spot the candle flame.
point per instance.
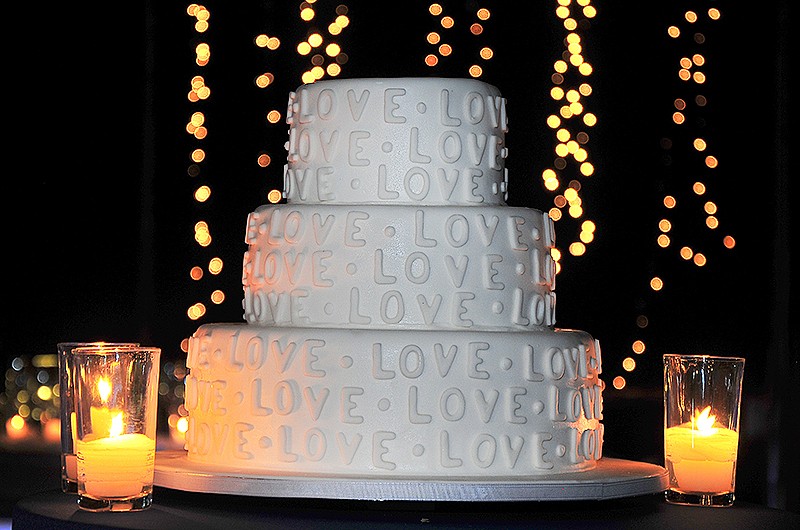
(116, 425)
(703, 422)
(103, 389)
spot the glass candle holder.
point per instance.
(702, 400)
(116, 401)
(69, 462)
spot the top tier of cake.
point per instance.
(420, 141)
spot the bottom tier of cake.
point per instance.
(423, 404)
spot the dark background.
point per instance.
(98, 214)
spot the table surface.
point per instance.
(178, 510)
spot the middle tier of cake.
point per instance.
(399, 267)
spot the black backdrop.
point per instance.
(98, 216)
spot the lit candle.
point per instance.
(117, 466)
(113, 464)
(701, 455)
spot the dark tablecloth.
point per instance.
(176, 510)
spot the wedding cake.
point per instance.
(399, 315)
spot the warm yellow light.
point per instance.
(586, 237)
(304, 48)
(712, 222)
(590, 119)
(182, 425)
(554, 121)
(198, 155)
(551, 184)
(562, 135)
(711, 161)
(307, 14)
(678, 118)
(691, 16)
(687, 253)
(447, 22)
(44, 393)
(307, 77)
(486, 53)
(729, 242)
(555, 254)
(333, 69)
(577, 248)
(629, 364)
(562, 11)
(560, 66)
(215, 265)
(445, 50)
(196, 311)
(556, 93)
(638, 347)
(317, 72)
(710, 208)
(685, 62)
(342, 21)
(202, 194)
(274, 196)
(699, 188)
(663, 240)
(217, 296)
(483, 14)
(433, 38)
(315, 39)
(554, 213)
(570, 194)
(656, 283)
(699, 144)
(103, 389)
(669, 201)
(475, 70)
(585, 69)
(333, 49)
(713, 13)
(699, 259)
(435, 9)
(673, 31)
(585, 89)
(17, 422)
(273, 116)
(273, 43)
(334, 28)
(665, 225)
(575, 211)
(587, 169)
(684, 74)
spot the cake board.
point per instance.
(611, 478)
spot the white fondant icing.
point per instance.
(398, 267)
(399, 316)
(472, 403)
(404, 141)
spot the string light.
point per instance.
(447, 22)
(196, 126)
(569, 94)
(691, 77)
(329, 62)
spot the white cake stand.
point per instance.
(611, 478)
